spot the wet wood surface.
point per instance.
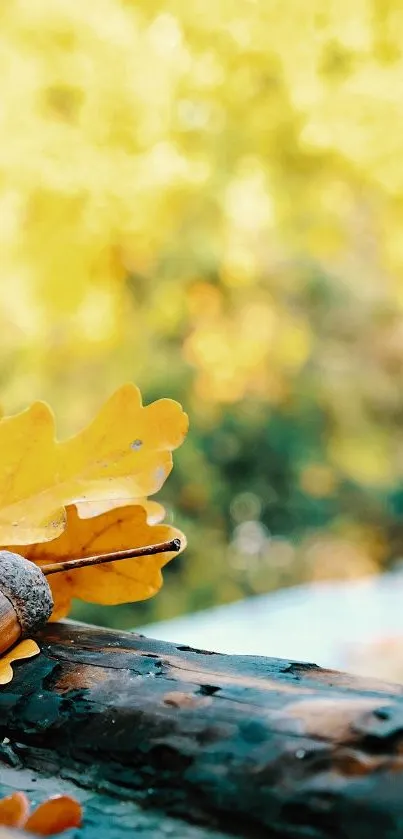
(169, 741)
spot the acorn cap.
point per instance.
(28, 590)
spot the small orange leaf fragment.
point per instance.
(123, 581)
(14, 810)
(25, 649)
(54, 815)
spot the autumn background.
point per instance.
(207, 199)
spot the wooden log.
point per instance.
(200, 745)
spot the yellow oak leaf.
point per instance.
(112, 583)
(89, 509)
(125, 452)
(25, 649)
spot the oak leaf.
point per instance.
(25, 649)
(123, 581)
(52, 816)
(89, 509)
(124, 452)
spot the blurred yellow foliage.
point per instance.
(318, 480)
(209, 195)
(235, 134)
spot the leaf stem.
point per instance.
(99, 559)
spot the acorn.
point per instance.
(26, 601)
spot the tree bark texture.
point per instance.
(166, 740)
